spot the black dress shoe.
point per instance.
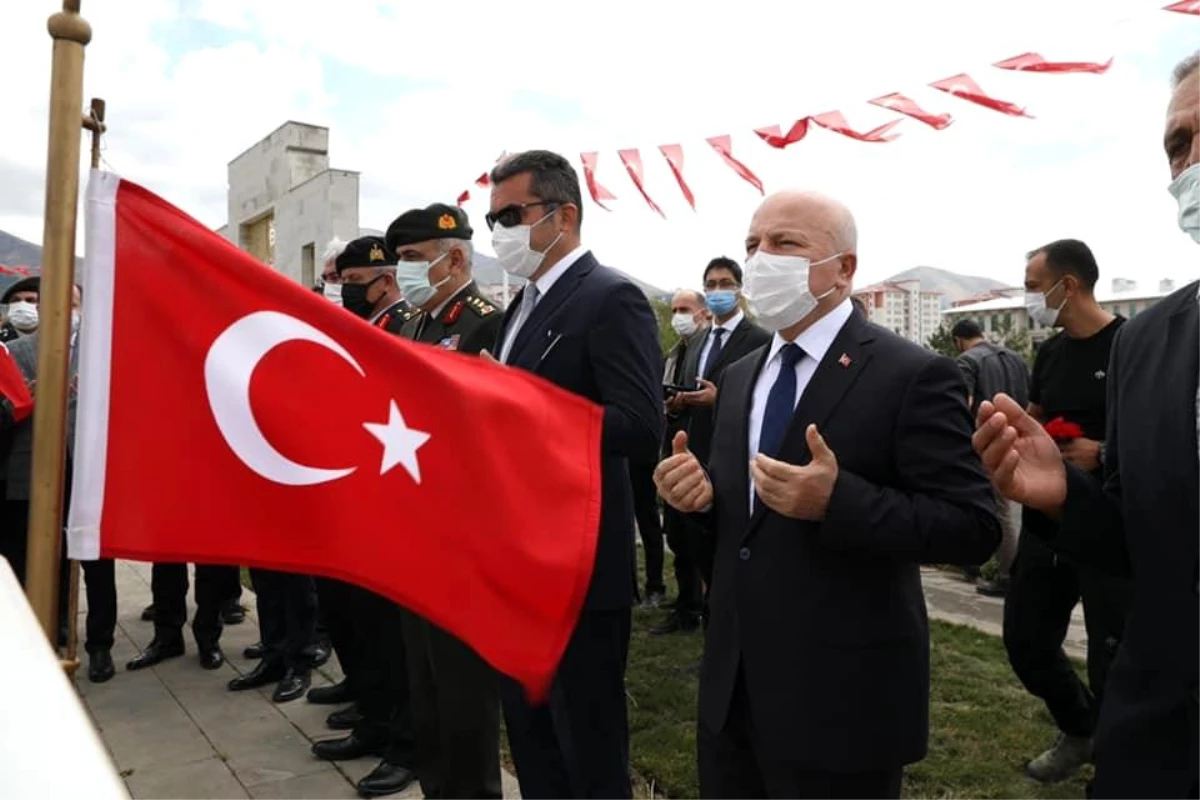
(148, 613)
(261, 675)
(254, 651)
(100, 667)
(211, 658)
(233, 614)
(154, 653)
(345, 720)
(320, 654)
(677, 622)
(292, 685)
(386, 779)
(333, 695)
(346, 748)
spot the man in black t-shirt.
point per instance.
(1067, 396)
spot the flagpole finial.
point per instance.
(67, 24)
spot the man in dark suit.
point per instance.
(99, 575)
(815, 679)
(730, 337)
(453, 693)
(1142, 519)
(690, 319)
(591, 331)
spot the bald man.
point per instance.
(841, 461)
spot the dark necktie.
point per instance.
(781, 402)
(713, 352)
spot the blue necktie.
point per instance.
(781, 402)
(713, 352)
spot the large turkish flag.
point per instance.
(229, 415)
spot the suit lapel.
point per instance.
(563, 288)
(1179, 359)
(735, 337)
(844, 361)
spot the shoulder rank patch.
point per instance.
(480, 306)
(452, 313)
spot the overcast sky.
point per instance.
(422, 97)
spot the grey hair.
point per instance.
(334, 249)
(552, 179)
(845, 234)
(468, 250)
(695, 294)
(1184, 69)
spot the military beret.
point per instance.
(24, 285)
(367, 251)
(438, 221)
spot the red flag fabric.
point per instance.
(274, 429)
(1032, 62)
(724, 147)
(834, 121)
(774, 135)
(673, 153)
(1185, 7)
(963, 86)
(483, 181)
(903, 104)
(632, 160)
(597, 191)
(13, 387)
(464, 197)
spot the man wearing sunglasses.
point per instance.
(588, 329)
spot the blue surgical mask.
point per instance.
(721, 301)
(413, 279)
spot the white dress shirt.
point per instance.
(543, 284)
(728, 326)
(815, 341)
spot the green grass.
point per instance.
(984, 726)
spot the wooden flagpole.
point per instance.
(70, 33)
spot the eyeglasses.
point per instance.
(512, 214)
(722, 284)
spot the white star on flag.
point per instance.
(400, 442)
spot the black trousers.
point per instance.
(339, 604)
(455, 713)
(100, 583)
(1037, 613)
(216, 585)
(14, 536)
(734, 764)
(382, 684)
(649, 523)
(287, 615)
(577, 745)
(687, 574)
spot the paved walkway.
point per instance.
(950, 598)
(175, 731)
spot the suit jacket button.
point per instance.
(744, 554)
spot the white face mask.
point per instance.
(1035, 304)
(333, 293)
(1186, 191)
(23, 315)
(683, 323)
(413, 280)
(776, 289)
(513, 250)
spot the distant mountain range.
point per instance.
(952, 285)
(16, 252)
(488, 272)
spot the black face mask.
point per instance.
(354, 298)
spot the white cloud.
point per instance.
(448, 90)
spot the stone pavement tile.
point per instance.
(308, 717)
(147, 741)
(328, 783)
(273, 757)
(207, 778)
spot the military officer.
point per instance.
(369, 287)
(453, 692)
